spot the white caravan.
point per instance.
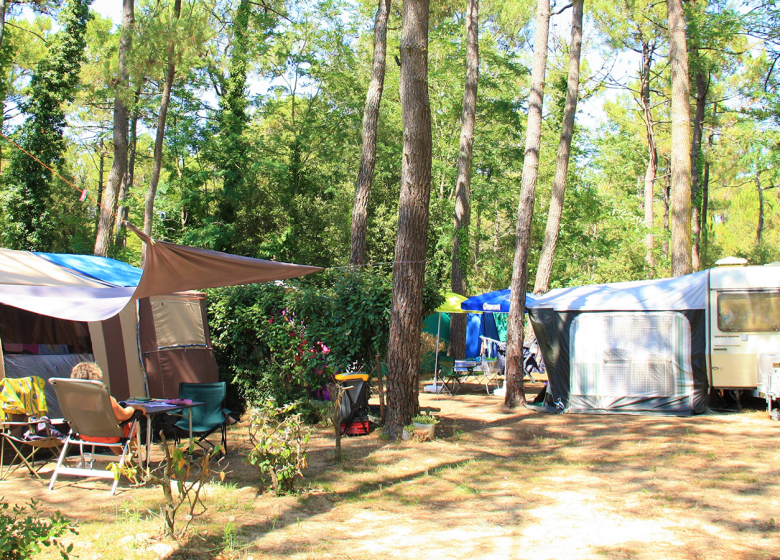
(743, 317)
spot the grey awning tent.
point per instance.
(627, 347)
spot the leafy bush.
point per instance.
(424, 419)
(22, 535)
(287, 342)
(279, 442)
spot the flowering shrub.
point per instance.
(263, 349)
(287, 342)
(305, 366)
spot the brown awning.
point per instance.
(175, 268)
(169, 268)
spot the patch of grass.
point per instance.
(463, 488)
(742, 476)
(381, 434)
(222, 496)
(131, 512)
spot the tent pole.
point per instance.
(436, 360)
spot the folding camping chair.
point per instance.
(451, 380)
(207, 418)
(531, 360)
(353, 410)
(86, 405)
(23, 425)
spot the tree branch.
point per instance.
(45, 42)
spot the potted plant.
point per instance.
(425, 423)
(408, 432)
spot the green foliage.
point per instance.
(23, 533)
(424, 419)
(288, 342)
(32, 220)
(279, 441)
(180, 475)
(263, 347)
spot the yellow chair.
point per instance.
(22, 404)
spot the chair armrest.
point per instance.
(135, 417)
(230, 416)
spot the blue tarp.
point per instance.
(473, 330)
(104, 269)
(497, 301)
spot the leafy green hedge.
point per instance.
(287, 342)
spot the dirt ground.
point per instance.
(525, 485)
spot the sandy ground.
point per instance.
(492, 485)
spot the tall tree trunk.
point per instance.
(232, 122)
(158, 142)
(357, 250)
(681, 141)
(544, 272)
(760, 226)
(477, 243)
(460, 241)
(2, 21)
(702, 85)
(705, 187)
(515, 393)
(127, 182)
(119, 166)
(651, 171)
(667, 203)
(705, 202)
(409, 268)
(101, 174)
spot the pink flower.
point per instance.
(271, 321)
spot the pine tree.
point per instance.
(31, 222)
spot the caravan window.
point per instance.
(749, 311)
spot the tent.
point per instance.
(494, 302)
(147, 330)
(627, 347)
(451, 304)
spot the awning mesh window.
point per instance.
(631, 354)
(178, 321)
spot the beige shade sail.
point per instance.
(21, 268)
(169, 268)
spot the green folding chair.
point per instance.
(451, 380)
(207, 418)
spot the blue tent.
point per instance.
(496, 301)
(110, 271)
(478, 326)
